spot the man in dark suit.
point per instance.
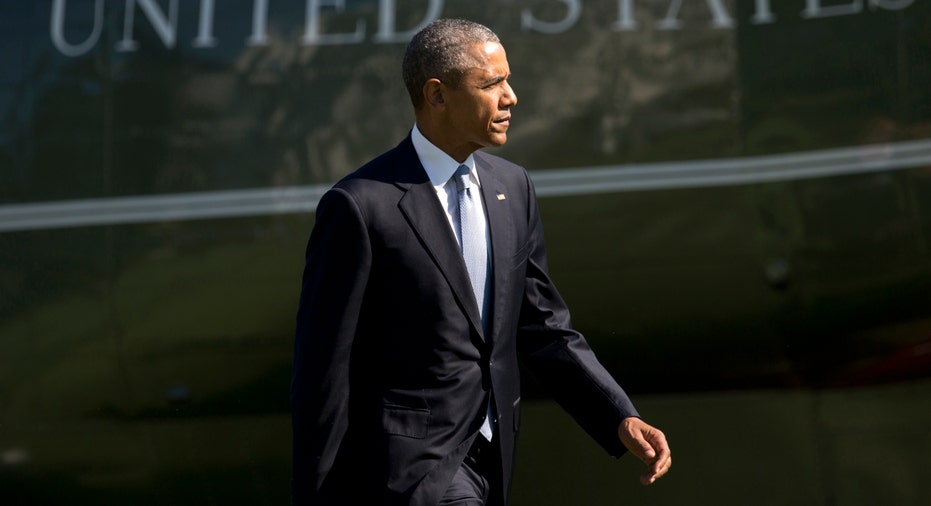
(425, 281)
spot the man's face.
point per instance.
(478, 110)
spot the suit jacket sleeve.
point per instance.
(559, 357)
(338, 260)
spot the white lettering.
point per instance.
(57, 29)
(625, 21)
(165, 27)
(259, 36)
(719, 16)
(814, 9)
(205, 36)
(386, 21)
(163, 15)
(573, 11)
(312, 31)
(762, 14)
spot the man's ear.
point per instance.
(433, 91)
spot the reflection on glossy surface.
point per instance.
(148, 362)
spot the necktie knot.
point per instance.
(463, 178)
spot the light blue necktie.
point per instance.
(475, 253)
(472, 235)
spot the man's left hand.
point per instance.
(649, 445)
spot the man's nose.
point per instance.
(509, 98)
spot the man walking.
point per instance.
(425, 281)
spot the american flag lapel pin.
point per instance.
(501, 196)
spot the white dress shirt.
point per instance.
(440, 168)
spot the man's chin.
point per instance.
(498, 139)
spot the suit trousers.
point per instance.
(477, 481)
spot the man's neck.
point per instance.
(456, 150)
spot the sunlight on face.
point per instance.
(478, 110)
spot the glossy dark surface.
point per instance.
(147, 362)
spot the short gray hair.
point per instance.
(441, 50)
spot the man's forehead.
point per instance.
(488, 48)
(489, 59)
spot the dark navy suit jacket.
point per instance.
(392, 370)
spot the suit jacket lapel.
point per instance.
(420, 206)
(499, 223)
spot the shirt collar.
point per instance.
(439, 165)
